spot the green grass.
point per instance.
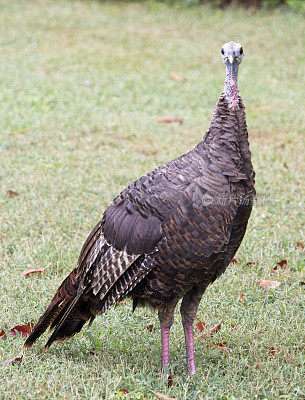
(83, 83)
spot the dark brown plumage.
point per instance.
(166, 237)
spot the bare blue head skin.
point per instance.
(232, 55)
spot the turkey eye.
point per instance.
(222, 51)
(241, 50)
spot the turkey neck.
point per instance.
(226, 141)
(231, 88)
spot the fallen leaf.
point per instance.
(3, 334)
(200, 326)
(252, 262)
(271, 351)
(32, 271)
(23, 330)
(170, 381)
(90, 371)
(169, 119)
(123, 391)
(226, 350)
(176, 77)
(233, 326)
(282, 263)
(150, 327)
(300, 245)
(215, 345)
(222, 347)
(216, 328)
(163, 397)
(11, 193)
(240, 298)
(209, 332)
(268, 284)
(12, 361)
(302, 283)
(235, 260)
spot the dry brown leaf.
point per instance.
(170, 118)
(123, 391)
(12, 361)
(3, 334)
(209, 332)
(226, 350)
(222, 347)
(200, 326)
(23, 330)
(163, 396)
(272, 351)
(176, 77)
(235, 260)
(252, 262)
(216, 328)
(215, 345)
(170, 381)
(11, 193)
(31, 271)
(282, 263)
(240, 298)
(279, 265)
(268, 284)
(300, 245)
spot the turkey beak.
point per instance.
(231, 59)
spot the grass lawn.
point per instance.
(83, 83)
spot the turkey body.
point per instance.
(185, 219)
(166, 237)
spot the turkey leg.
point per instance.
(166, 318)
(165, 349)
(188, 311)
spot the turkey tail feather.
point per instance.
(44, 321)
(69, 323)
(57, 312)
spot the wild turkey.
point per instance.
(169, 234)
